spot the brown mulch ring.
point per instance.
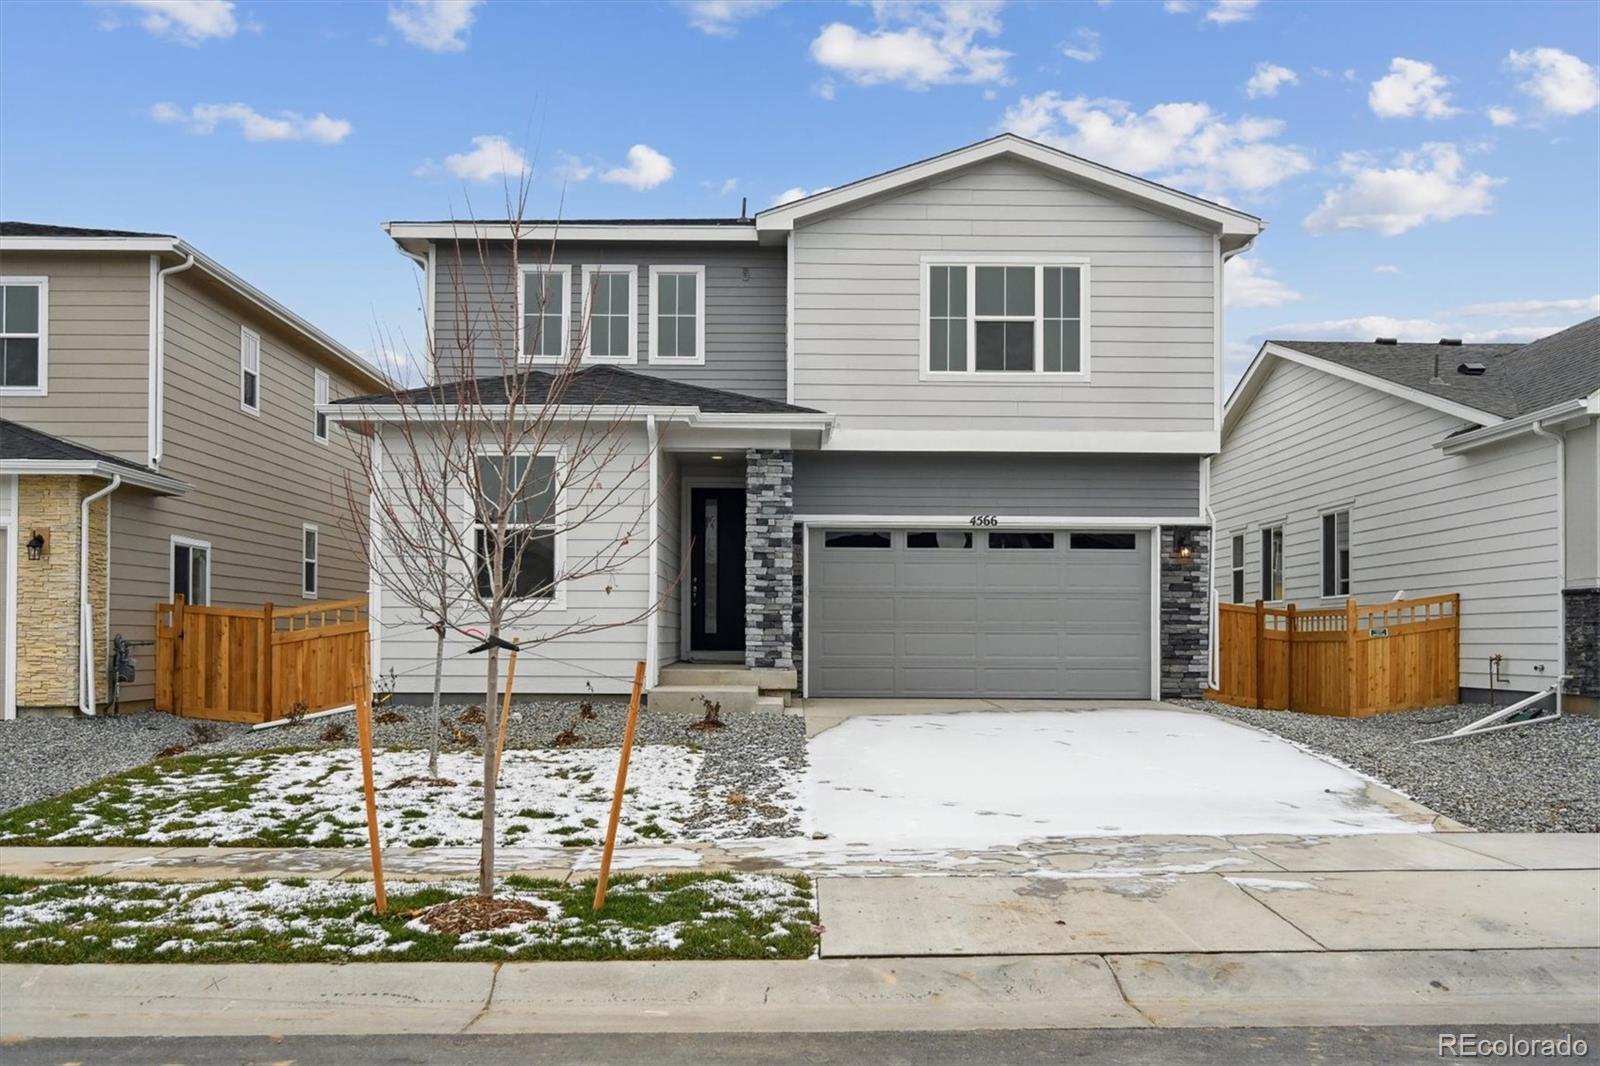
(566, 738)
(388, 718)
(335, 733)
(705, 725)
(472, 716)
(414, 779)
(172, 751)
(475, 913)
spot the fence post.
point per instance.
(177, 654)
(1261, 654)
(1350, 655)
(266, 662)
(1288, 662)
(1455, 649)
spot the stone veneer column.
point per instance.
(1583, 640)
(47, 588)
(769, 553)
(1185, 612)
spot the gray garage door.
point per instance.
(955, 612)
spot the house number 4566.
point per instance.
(985, 520)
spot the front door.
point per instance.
(716, 571)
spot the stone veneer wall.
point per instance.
(799, 609)
(1185, 613)
(47, 588)
(1583, 640)
(769, 553)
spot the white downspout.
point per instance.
(85, 611)
(1561, 552)
(1212, 610)
(158, 359)
(652, 624)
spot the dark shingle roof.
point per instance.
(40, 229)
(594, 385)
(23, 442)
(1412, 365)
(1562, 366)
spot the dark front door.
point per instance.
(716, 572)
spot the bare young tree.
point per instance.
(502, 485)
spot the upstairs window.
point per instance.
(319, 396)
(543, 312)
(525, 487)
(608, 301)
(1272, 563)
(23, 314)
(1005, 319)
(1238, 568)
(309, 538)
(677, 314)
(249, 371)
(1336, 553)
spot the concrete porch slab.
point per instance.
(1535, 851)
(1437, 910)
(1045, 915)
(1381, 851)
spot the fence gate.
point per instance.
(238, 664)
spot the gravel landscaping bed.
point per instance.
(1542, 778)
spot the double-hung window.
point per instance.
(1272, 563)
(319, 396)
(542, 312)
(608, 301)
(190, 571)
(678, 314)
(1336, 553)
(249, 371)
(523, 489)
(23, 317)
(1238, 568)
(1006, 317)
(310, 540)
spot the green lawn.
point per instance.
(675, 916)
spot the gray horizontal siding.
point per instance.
(475, 299)
(896, 483)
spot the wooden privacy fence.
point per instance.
(1354, 661)
(239, 664)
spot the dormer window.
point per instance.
(1004, 317)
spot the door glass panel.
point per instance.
(708, 603)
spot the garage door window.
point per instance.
(856, 538)
(1009, 541)
(1115, 542)
(939, 538)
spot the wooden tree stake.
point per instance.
(622, 783)
(364, 729)
(505, 710)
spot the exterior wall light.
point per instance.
(36, 546)
(1182, 545)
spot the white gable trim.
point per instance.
(779, 220)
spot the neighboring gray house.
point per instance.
(951, 432)
(1372, 470)
(131, 362)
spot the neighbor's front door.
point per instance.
(716, 571)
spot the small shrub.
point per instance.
(586, 711)
(297, 713)
(205, 732)
(713, 718)
(335, 734)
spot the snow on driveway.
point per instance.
(987, 779)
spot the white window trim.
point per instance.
(1266, 571)
(585, 322)
(315, 559)
(558, 596)
(1322, 554)
(320, 392)
(699, 315)
(1038, 262)
(43, 284)
(565, 270)
(178, 540)
(1239, 571)
(247, 332)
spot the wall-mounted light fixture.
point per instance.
(36, 545)
(1182, 544)
(716, 458)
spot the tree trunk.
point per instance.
(490, 703)
(438, 696)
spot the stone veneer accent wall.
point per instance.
(799, 609)
(769, 554)
(47, 588)
(1583, 640)
(1185, 613)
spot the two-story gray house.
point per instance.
(159, 435)
(938, 432)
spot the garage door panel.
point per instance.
(936, 646)
(1013, 645)
(847, 645)
(1046, 610)
(937, 609)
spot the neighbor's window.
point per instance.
(1020, 319)
(856, 538)
(1272, 563)
(1116, 542)
(939, 538)
(191, 571)
(1008, 541)
(1336, 553)
(1238, 568)
(22, 334)
(544, 312)
(524, 487)
(308, 561)
(608, 301)
(249, 371)
(319, 396)
(677, 314)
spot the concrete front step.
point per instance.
(731, 674)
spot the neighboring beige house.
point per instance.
(155, 399)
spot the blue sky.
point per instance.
(1425, 168)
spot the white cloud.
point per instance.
(1084, 46)
(1386, 268)
(1428, 185)
(1502, 116)
(284, 126)
(1246, 283)
(1225, 11)
(492, 157)
(721, 18)
(646, 169)
(790, 195)
(574, 169)
(185, 21)
(1518, 308)
(1411, 88)
(1183, 144)
(1562, 83)
(1177, 7)
(436, 25)
(917, 45)
(1268, 79)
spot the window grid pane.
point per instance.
(947, 320)
(1062, 337)
(676, 316)
(543, 313)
